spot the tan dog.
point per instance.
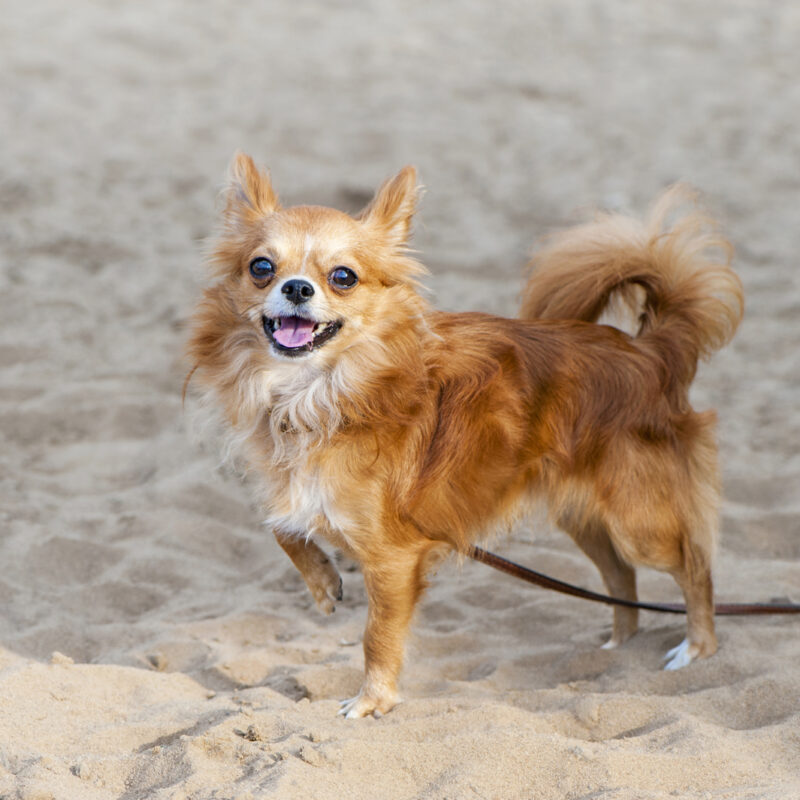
(398, 433)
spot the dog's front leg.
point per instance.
(394, 583)
(321, 577)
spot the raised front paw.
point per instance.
(315, 566)
(325, 585)
(368, 702)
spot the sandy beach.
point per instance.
(155, 642)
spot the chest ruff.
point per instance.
(304, 500)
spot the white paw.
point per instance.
(362, 705)
(680, 656)
(611, 644)
(354, 708)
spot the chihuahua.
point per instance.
(398, 433)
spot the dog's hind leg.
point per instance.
(315, 566)
(694, 578)
(618, 577)
(695, 546)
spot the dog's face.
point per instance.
(315, 281)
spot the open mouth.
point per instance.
(298, 335)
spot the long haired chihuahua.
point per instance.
(398, 433)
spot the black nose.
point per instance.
(297, 291)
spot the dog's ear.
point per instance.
(249, 195)
(393, 206)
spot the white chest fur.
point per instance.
(303, 501)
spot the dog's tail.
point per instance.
(689, 301)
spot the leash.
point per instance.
(546, 582)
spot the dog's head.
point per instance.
(315, 281)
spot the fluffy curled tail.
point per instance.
(692, 301)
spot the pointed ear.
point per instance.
(393, 206)
(249, 195)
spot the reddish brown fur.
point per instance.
(413, 432)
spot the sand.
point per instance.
(155, 641)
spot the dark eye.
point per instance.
(343, 278)
(262, 268)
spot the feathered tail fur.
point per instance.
(693, 301)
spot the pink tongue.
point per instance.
(294, 331)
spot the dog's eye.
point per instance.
(343, 278)
(261, 268)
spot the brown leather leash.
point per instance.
(546, 582)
